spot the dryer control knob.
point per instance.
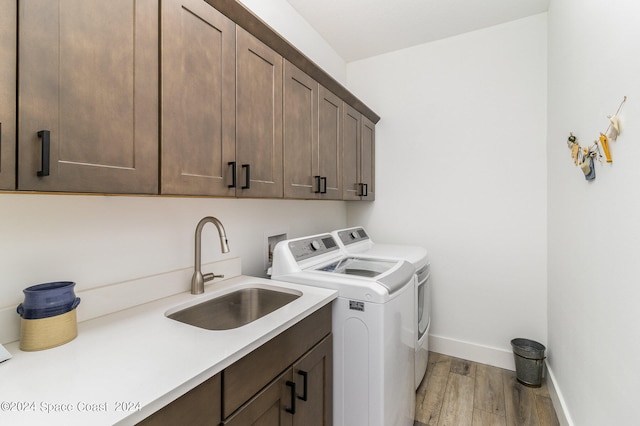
(354, 235)
(315, 245)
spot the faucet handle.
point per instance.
(210, 276)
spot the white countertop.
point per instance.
(124, 366)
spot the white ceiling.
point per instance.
(358, 29)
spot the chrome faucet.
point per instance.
(198, 280)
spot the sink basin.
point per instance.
(234, 309)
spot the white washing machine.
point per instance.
(356, 241)
(373, 327)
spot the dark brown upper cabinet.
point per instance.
(358, 134)
(312, 139)
(8, 56)
(300, 134)
(220, 115)
(88, 96)
(198, 99)
(368, 160)
(330, 112)
(258, 118)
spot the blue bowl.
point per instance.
(48, 299)
(32, 313)
(49, 294)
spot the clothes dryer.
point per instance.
(372, 326)
(357, 242)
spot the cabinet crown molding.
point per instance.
(262, 31)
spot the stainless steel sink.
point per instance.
(234, 309)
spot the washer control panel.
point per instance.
(353, 235)
(313, 246)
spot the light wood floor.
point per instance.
(456, 392)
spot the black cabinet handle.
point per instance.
(233, 173)
(321, 184)
(292, 409)
(364, 189)
(46, 147)
(304, 385)
(247, 174)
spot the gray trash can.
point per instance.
(529, 357)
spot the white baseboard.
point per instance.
(559, 403)
(472, 352)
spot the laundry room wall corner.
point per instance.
(461, 170)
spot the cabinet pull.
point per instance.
(233, 174)
(304, 385)
(0, 136)
(364, 189)
(321, 183)
(247, 175)
(292, 409)
(46, 146)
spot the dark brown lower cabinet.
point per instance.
(301, 396)
(199, 406)
(273, 406)
(286, 381)
(313, 375)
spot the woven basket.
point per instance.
(45, 333)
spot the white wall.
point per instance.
(101, 240)
(461, 171)
(283, 18)
(594, 227)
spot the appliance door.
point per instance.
(423, 319)
(423, 300)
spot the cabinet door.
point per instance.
(258, 118)
(273, 406)
(330, 144)
(8, 55)
(351, 128)
(367, 155)
(300, 134)
(313, 375)
(89, 80)
(198, 99)
(199, 406)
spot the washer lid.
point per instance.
(369, 268)
(391, 274)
